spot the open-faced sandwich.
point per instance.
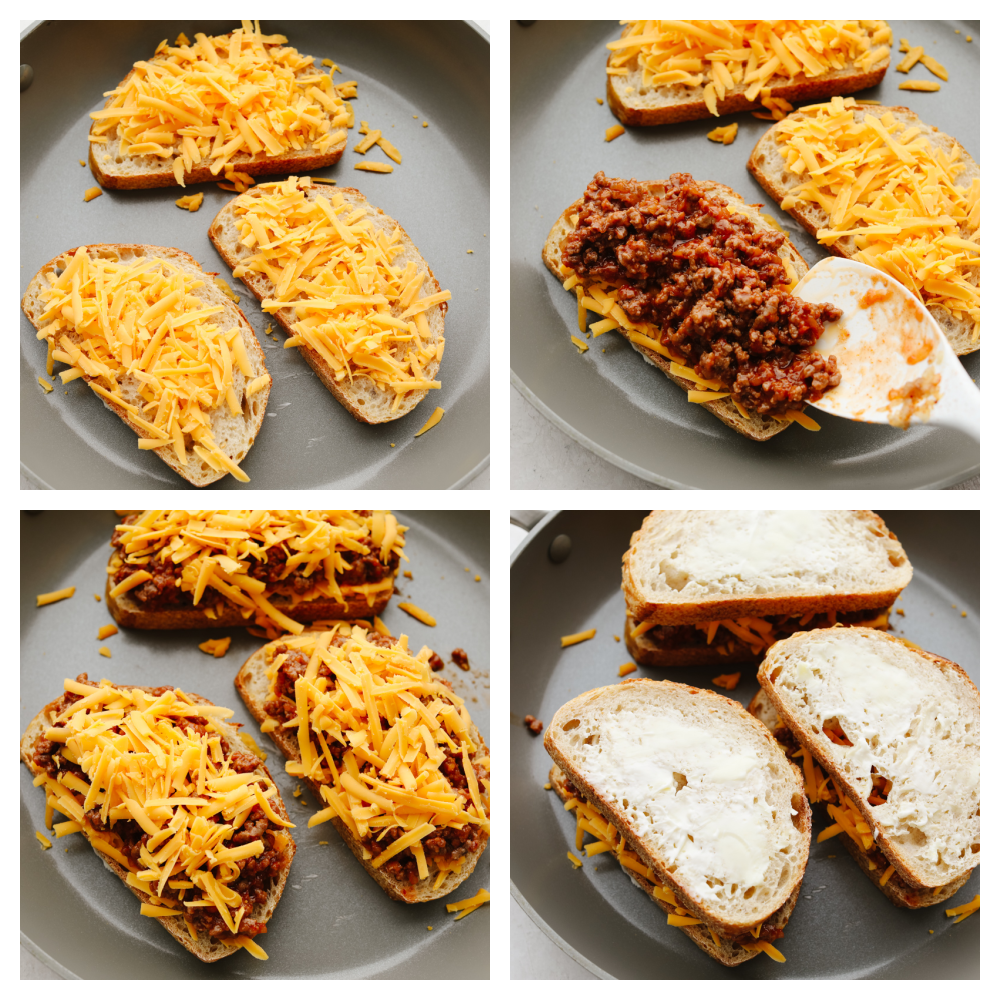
(270, 568)
(174, 804)
(387, 748)
(702, 286)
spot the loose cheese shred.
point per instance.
(43, 840)
(107, 630)
(47, 387)
(627, 668)
(223, 101)
(726, 135)
(160, 760)
(215, 647)
(386, 742)
(714, 58)
(216, 551)
(727, 682)
(572, 640)
(139, 327)
(91, 193)
(911, 207)
(192, 202)
(331, 266)
(432, 421)
(466, 906)
(577, 863)
(418, 613)
(104, 651)
(964, 910)
(374, 167)
(53, 596)
(613, 132)
(925, 85)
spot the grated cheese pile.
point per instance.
(397, 721)
(331, 264)
(140, 764)
(884, 184)
(223, 98)
(140, 319)
(722, 55)
(217, 548)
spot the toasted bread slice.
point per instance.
(636, 104)
(362, 398)
(117, 170)
(697, 566)
(253, 685)
(908, 715)
(646, 755)
(234, 434)
(755, 426)
(205, 948)
(769, 168)
(898, 891)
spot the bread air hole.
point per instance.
(571, 725)
(897, 558)
(775, 674)
(680, 780)
(592, 739)
(749, 893)
(834, 732)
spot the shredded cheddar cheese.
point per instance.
(713, 58)
(374, 728)
(724, 134)
(142, 760)
(55, 595)
(223, 100)
(881, 182)
(572, 640)
(216, 647)
(192, 202)
(333, 267)
(139, 320)
(216, 549)
(466, 906)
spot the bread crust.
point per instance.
(789, 603)
(757, 427)
(821, 754)
(195, 471)
(355, 398)
(305, 159)
(205, 949)
(252, 684)
(721, 705)
(960, 333)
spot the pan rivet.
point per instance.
(560, 548)
(27, 75)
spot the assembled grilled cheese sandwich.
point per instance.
(715, 587)
(888, 737)
(697, 802)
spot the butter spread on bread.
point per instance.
(389, 750)
(244, 101)
(167, 795)
(272, 568)
(346, 284)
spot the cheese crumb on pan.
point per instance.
(53, 596)
(432, 421)
(418, 613)
(724, 134)
(91, 193)
(192, 202)
(572, 640)
(223, 100)
(613, 132)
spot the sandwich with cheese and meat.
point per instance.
(720, 586)
(172, 801)
(272, 568)
(697, 802)
(387, 748)
(887, 736)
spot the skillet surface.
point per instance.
(842, 926)
(609, 399)
(406, 73)
(75, 915)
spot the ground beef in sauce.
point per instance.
(435, 662)
(256, 874)
(460, 658)
(163, 590)
(535, 726)
(710, 282)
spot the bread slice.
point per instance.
(233, 434)
(757, 427)
(900, 893)
(253, 686)
(362, 399)
(635, 104)
(769, 168)
(697, 566)
(910, 716)
(725, 951)
(119, 171)
(700, 791)
(205, 948)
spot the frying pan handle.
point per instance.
(526, 519)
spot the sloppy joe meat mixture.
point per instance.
(257, 874)
(713, 285)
